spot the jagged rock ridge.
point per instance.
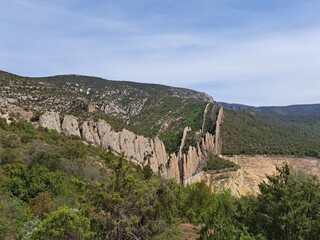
(144, 121)
(136, 148)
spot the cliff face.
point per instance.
(142, 121)
(195, 157)
(139, 149)
(218, 140)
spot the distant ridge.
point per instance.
(301, 109)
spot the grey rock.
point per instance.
(90, 133)
(70, 125)
(50, 120)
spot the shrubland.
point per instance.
(56, 187)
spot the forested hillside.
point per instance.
(301, 109)
(250, 132)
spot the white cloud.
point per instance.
(244, 64)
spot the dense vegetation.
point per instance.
(302, 109)
(55, 187)
(248, 132)
(216, 163)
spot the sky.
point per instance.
(255, 52)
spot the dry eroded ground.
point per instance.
(254, 170)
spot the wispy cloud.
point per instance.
(250, 53)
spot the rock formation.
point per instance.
(70, 126)
(139, 149)
(89, 132)
(12, 111)
(136, 148)
(193, 161)
(218, 140)
(91, 107)
(50, 120)
(205, 115)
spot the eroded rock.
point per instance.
(89, 131)
(70, 126)
(50, 120)
(139, 149)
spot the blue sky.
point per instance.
(257, 52)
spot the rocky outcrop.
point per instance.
(70, 126)
(172, 171)
(50, 120)
(180, 154)
(127, 101)
(218, 140)
(205, 116)
(89, 132)
(113, 109)
(13, 112)
(183, 140)
(193, 161)
(136, 148)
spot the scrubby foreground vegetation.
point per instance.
(55, 187)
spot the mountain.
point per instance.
(180, 118)
(88, 158)
(302, 109)
(173, 130)
(147, 109)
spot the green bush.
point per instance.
(217, 163)
(74, 150)
(10, 140)
(9, 156)
(3, 124)
(25, 183)
(36, 116)
(51, 161)
(14, 214)
(64, 223)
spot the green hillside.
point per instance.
(249, 132)
(146, 109)
(301, 109)
(55, 187)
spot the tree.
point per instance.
(131, 208)
(42, 203)
(288, 206)
(64, 224)
(50, 160)
(147, 172)
(14, 214)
